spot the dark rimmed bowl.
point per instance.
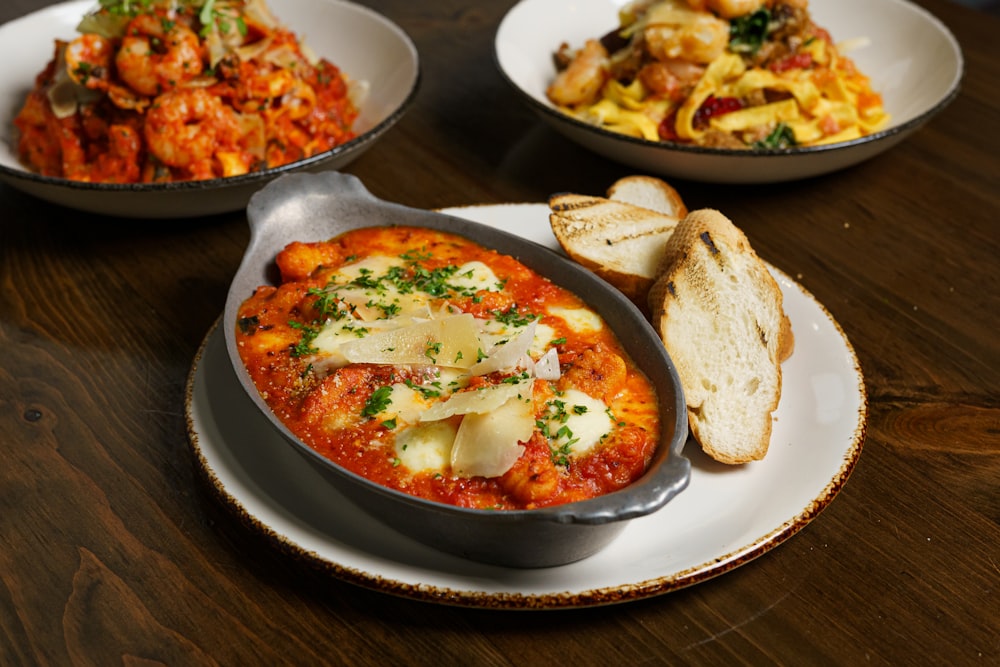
(365, 45)
(316, 207)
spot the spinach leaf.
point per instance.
(747, 33)
(781, 136)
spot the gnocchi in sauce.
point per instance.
(437, 367)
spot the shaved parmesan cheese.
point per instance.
(489, 444)
(450, 341)
(478, 401)
(547, 368)
(507, 353)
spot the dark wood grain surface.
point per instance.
(112, 553)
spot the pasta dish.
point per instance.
(429, 364)
(178, 90)
(733, 74)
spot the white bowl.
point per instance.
(911, 58)
(363, 44)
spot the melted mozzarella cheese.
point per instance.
(580, 320)
(475, 276)
(375, 303)
(427, 446)
(372, 265)
(582, 423)
(405, 405)
(544, 335)
(331, 337)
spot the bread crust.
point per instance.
(714, 302)
(720, 315)
(649, 192)
(620, 242)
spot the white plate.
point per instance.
(363, 44)
(726, 517)
(910, 56)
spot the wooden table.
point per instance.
(111, 551)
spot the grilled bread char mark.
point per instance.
(719, 313)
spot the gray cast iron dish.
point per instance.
(316, 207)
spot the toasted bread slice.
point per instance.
(620, 242)
(649, 192)
(720, 315)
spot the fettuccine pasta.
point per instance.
(741, 74)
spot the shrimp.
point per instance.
(157, 55)
(582, 80)
(185, 127)
(88, 60)
(597, 371)
(700, 40)
(120, 163)
(534, 476)
(672, 79)
(286, 94)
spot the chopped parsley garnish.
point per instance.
(433, 350)
(514, 317)
(433, 391)
(516, 379)
(377, 402)
(562, 440)
(327, 304)
(415, 255)
(304, 347)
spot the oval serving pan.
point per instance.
(316, 207)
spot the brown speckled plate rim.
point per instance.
(555, 600)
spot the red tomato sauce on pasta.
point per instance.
(584, 418)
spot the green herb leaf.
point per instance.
(781, 136)
(377, 402)
(748, 33)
